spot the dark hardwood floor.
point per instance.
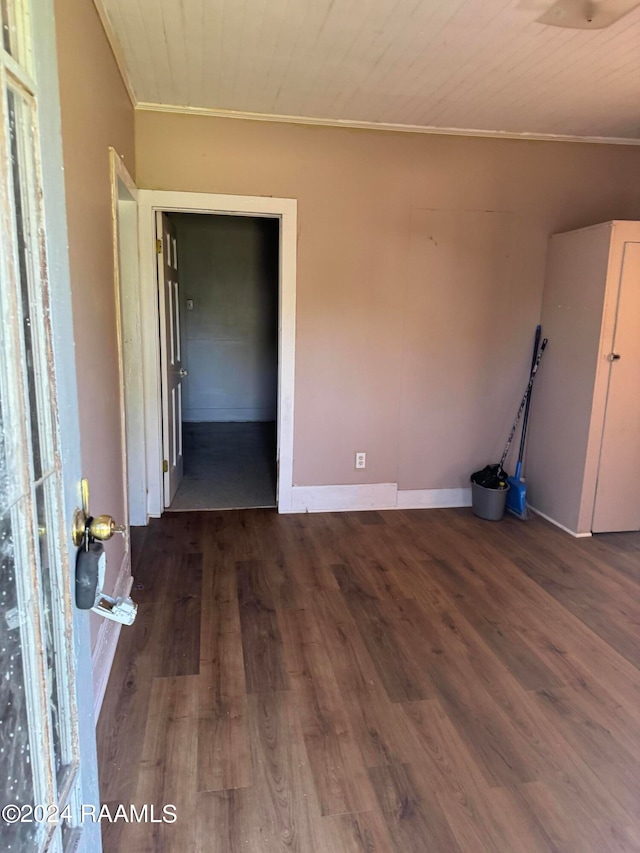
(394, 681)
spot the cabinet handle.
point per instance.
(614, 356)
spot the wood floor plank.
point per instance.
(485, 703)
(261, 640)
(167, 770)
(340, 777)
(579, 655)
(224, 824)
(403, 678)
(139, 659)
(154, 566)
(462, 792)
(182, 623)
(224, 755)
(406, 680)
(597, 734)
(283, 809)
(442, 755)
(223, 740)
(517, 826)
(613, 621)
(360, 832)
(224, 758)
(493, 625)
(383, 736)
(414, 817)
(567, 822)
(623, 784)
(137, 539)
(619, 551)
(219, 595)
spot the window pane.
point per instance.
(34, 313)
(6, 27)
(15, 35)
(53, 610)
(70, 835)
(9, 480)
(15, 753)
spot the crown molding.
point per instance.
(143, 106)
(116, 49)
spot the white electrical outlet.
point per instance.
(361, 459)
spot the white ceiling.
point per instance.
(467, 64)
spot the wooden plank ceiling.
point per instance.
(468, 64)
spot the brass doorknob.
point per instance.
(102, 527)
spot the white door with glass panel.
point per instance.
(170, 355)
(47, 739)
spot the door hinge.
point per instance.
(159, 246)
(165, 465)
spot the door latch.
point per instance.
(88, 535)
(613, 356)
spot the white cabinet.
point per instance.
(583, 458)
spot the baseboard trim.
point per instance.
(343, 498)
(433, 498)
(107, 641)
(557, 524)
(372, 496)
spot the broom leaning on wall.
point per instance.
(494, 477)
(517, 494)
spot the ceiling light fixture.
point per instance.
(586, 14)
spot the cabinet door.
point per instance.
(617, 505)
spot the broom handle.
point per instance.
(523, 403)
(525, 420)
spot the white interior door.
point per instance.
(47, 738)
(170, 355)
(617, 505)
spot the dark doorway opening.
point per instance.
(229, 276)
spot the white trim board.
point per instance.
(343, 498)
(373, 496)
(107, 640)
(557, 524)
(433, 498)
(124, 223)
(284, 209)
(146, 106)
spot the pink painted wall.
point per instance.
(420, 275)
(96, 113)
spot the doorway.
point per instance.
(219, 274)
(284, 211)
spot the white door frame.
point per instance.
(124, 215)
(284, 209)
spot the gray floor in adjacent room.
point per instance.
(227, 466)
